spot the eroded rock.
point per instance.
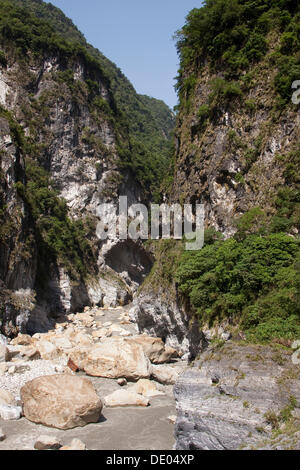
(61, 401)
(125, 398)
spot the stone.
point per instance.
(62, 343)
(101, 333)
(47, 350)
(165, 375)
(72, 366)
(122, 398)
(114, 358)
(154, 348)
(10, 413)
(61, 401)
(22, 340)
(146, 388)
(85, 318)
(47, 443)
(30, 353)
(172, 419)
(76, 444)
(6, 398)
(4, 353)
(3, 340)
(122, 382)
(82, 339)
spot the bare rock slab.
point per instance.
(61, 401)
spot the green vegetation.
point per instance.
(232, 35)
(253, 281)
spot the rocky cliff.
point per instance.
(237, 126)
(66, 147)
(239, 397)
(238, 154)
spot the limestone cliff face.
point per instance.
(74, 139)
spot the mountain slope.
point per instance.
(66, 147)
(238, 154)
(149, 121)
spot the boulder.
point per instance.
(125, 398)
(165, 375)
(113, 358)
(4, 353)
(22, 340)
(30, 353)
(76, 444)
(146, 388)
(154, 348)
(47, 443)
(6, 398)
(61, 401)
(10, 413)
(47, 350)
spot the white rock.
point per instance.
(76, 444)
(9, 413)
(146, 388)
(62, 343)
(172, 419)
(166, 375)
(47, 350)
(3, 340)
(125, 398)
(122, 382)
(6, 398)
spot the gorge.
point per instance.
(74, 134)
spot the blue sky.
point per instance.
(137, 36)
